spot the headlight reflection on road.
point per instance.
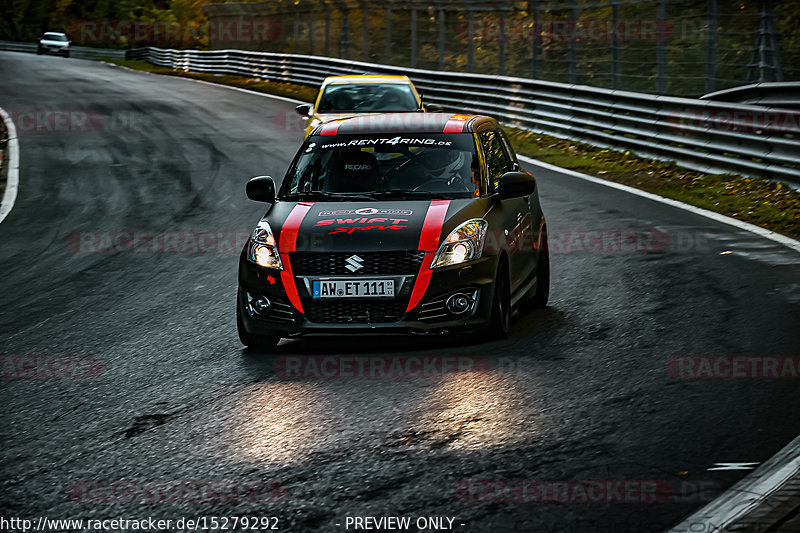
(472, 411)
(281, 422)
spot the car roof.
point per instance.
(408, 122)
(365, 78)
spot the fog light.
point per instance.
(261, 305)
(459, 303)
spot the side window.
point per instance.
(512, 156)
(497, 161)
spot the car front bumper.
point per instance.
(347, 316)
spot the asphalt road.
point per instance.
(579, 391)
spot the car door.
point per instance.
(515, 213)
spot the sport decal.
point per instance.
(429, 242)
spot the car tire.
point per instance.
(261, 343)
(500, 318)
(39, 51)
(539, 300)
(66, 54)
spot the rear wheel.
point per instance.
(500, 319)
(261, 343)
(542, 295)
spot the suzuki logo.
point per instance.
(354, 263)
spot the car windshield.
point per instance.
(367, 97)
(378, 166)
(55, 37)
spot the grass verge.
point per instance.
(759, 201)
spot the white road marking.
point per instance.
(733, 466)
(12, 182)
(752, 228)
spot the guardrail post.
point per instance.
(661, 54)
(327, 30)
(573, 45)
(296, 31)
(501, 41)
(365, 31)
(470, 43)
(388, 48)
(344, 38)
(441, 38)
(615, 72)
(711, 59)
(310, 25)
(536, 35)
(413, 36)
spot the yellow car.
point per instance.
(347, 96)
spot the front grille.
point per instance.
(381, 263)
(361, 312)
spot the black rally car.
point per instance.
(397, 223)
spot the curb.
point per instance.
(765, 500)
(12, 182)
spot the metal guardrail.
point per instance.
(774, 94)
(77, 52)
(704, 135)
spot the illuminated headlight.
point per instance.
(465, 243)
(263, 249)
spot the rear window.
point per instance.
(367, 97)
(442, 165)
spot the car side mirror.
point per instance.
(261, 189)
(516, 184)
(303, 109)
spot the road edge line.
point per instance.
(240, 89)
(746, 497)
(717, 217)
(12, 176)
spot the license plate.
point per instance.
(372, 288)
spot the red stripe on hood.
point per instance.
(330, 128)
(429, 242)
(288, 243)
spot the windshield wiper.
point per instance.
(404, 193)
(324, 195)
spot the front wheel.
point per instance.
(500, 318)
(261, 343)
(542, 295)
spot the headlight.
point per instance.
(263, 248)
(465, 243)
